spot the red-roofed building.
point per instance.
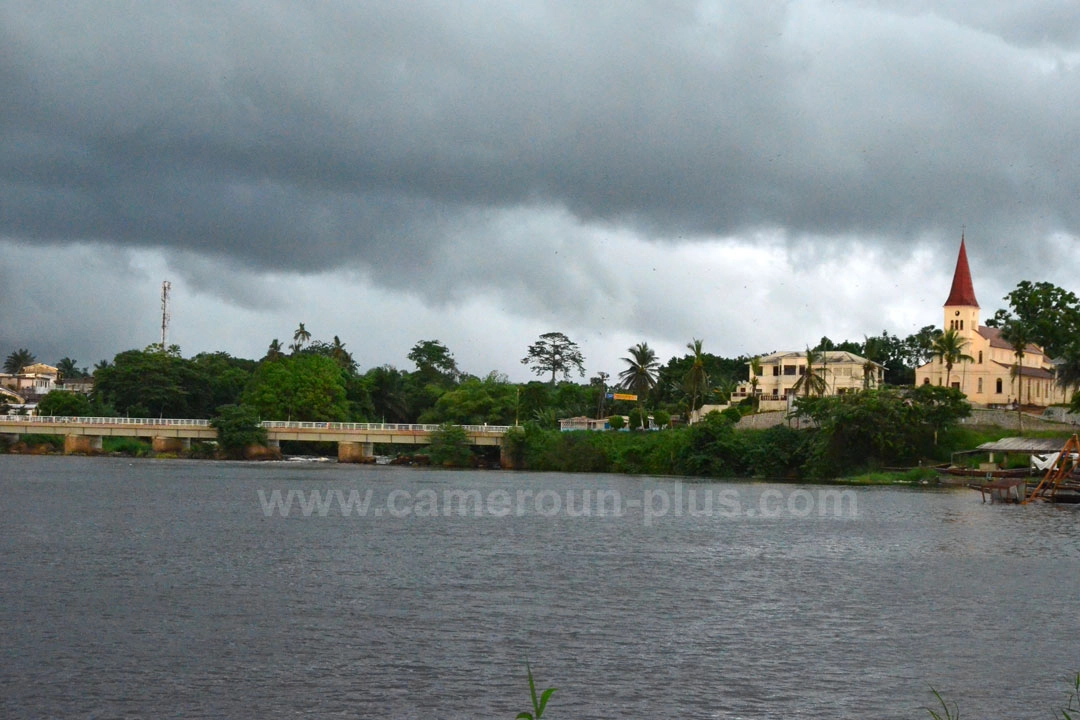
(988, 378)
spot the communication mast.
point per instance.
(165, 288)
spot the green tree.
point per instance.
(812, 381)
(476, 402)
(554, 353)
(949, 349)
(1050, 314)
(300, 387)
(64, 403)
(697, 379)
(238, 427)
(150, 383)
(17, 360)
(756, 372)
(222, 381)
(274, 352)
(450, 446)
(434, 363)
(1019, 334)
(389, 392)
(341, 356)
(300, 337)
(1068, 369)
(69, 369)
(639, 376)
(940, 407)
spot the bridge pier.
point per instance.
(355, 452)
(162, 444)
(82, 444)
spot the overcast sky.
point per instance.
(755, 174)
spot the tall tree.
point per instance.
(640, 374)
(434, 362)
(949, 349)
(755, 372)
(17, 360)
(1019, 334)
(1050, 313)
(812, 381)
(274, 352)
(69, 368)
(555, 353)
(696, 378)
(300, 337)
(600, 383)
(342, 356)
(303, 387)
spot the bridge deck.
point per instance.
(394, 433)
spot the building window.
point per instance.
(980, 357)
(775, 369)
(961, 324)
(999, 386)
(980, 385)
(789, 369)
(926, 381)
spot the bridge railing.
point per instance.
(376, 427)
(73, 420)
(269, 424)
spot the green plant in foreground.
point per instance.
(538, 703)
(954, 714)
(1070, 712)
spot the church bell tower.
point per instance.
(962, 309)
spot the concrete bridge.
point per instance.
(355, 440)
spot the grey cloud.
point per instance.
(301, 138)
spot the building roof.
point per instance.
(962, 292)
(829, 357)
(1022, 445)
(1030, 372)
(39, 369)
(994, 336)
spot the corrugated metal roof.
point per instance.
(1022, 445)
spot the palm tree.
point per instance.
(69, 368)
(340, 355)
(274, 351)
(17, 360)
(640, 375)
(696, 377)
(755, 373)
(1068, 369)
(813, 381)
(1018, 333)
(300, 337)
(949, 348)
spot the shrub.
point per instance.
(450, 446)
(238, 427)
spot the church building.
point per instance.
(988, 378)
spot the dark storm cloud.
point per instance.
(384, 135)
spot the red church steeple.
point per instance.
(962, 292)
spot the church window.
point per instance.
(926, 381)
(980, 357)
(999, 386)
(980, 385)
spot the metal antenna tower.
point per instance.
(165, 288)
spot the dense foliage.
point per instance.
(238, 427)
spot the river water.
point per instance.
(147, 588)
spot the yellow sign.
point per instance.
(624, 396)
